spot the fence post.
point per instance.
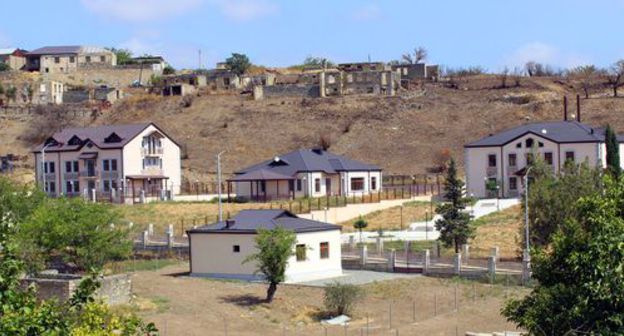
(427, 261)
(142, 197)
(526, 267)
(380, 245)
(363, 255)
(495, 252)
(352, 242)
(492, 268)
(145, 238)
(150, 229)
(457, 263)
(438, 252)
(391, 260)
(170, 240)
(466, 252)
(93, 195)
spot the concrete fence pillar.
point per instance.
(492, 268)
(93, 196)
(495, 252)
(380, 245)
(438, 249)
(363, 254)
(466, 252)
(457, 260)
(391, 259)
(145, 239)
(142, 196)
(526, 267)
(170, 229)
(114, 195)
(427, 261)
(150, 229)
(352, 242)
(170, 240)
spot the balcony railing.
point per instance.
(70, 176)
(89, 173)
(153, 151)
(491, 171)
(110, 175)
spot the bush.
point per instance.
(187, 101)
(341, 298)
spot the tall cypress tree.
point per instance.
(613, 152)
(455, 225)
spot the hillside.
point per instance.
(403, 134)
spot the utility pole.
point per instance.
(199, 59)
(219, 185)
(526, 260)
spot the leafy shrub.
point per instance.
(341, 298)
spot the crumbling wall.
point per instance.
(120, 77)
(288, 90)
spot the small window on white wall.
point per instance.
(236, 248)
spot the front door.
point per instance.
(328, 186)
(90, 185)
(90, 168)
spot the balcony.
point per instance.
(89, 173)
(152, 152)
(70, 176)
(491, 171)
(152, 171)
(50, 176)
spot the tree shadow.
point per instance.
(244, 300)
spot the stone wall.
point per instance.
(116, 289)
(119, 77)
(289, 90)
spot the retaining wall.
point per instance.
(115, 289)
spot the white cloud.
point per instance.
(544, 53)
(367, 13)
(140, 10)
(245, 10)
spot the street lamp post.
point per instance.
(526, 274)
(426, 225)
(219, 185)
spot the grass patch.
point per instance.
(393, 218)
(161, 302)
(500, 229)
(128, 266)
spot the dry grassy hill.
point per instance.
(403, 134)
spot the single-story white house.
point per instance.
(306, 173)
(502, 159)
(219, 250)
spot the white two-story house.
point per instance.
(307, 173)
(500, 160)
(131, 161)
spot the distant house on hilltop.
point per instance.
(500, 161)
(67, 59)
(219, 250)
(307, 173)
(13, 57)
(136, 160)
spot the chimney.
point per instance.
(578, 108)
(229, 223)
(565, 108)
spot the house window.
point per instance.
(50, 187)
(102, 59)
(72, 187)
(72, 59)
(300, 252)
(548, 157)
(317, 185)
(111, 164)
(236, 248)
(569, 156)
(106, 185)
(57, 60)
(529, 143)
(88, 59)
(357, 184)
(71, 166)
(529, 159)
(513, 183)
(373, 183)
(48, 167)
(491, 160)
(324, 248)
(299, 185)
(519, 145)
(262, 186)
(512, 159)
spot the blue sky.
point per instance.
(490, 33)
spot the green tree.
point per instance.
(455, 225)
(360, 224)
(169, 70)
(238, 63)
(4, 67)
(341, 298)
(274, 248)
(579, 277)
(11, 93)
(312, 61)
(124, 56)
(81, 233)
(552, 198)
(613, 152)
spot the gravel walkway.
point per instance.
(355, 277)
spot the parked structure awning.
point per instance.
(88, 156)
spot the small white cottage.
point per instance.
(218, 250)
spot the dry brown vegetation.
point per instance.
(500, 229)
(194, 306)
(403, 134)
(390, 219)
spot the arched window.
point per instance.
(529, 143)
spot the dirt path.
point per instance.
(193, 306)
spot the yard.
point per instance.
(180, 305)
(500, 229)
(395, 218)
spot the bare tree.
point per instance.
(615, 76)
(503, 77)
(586, 75)
(516, 74)
(419, 55)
